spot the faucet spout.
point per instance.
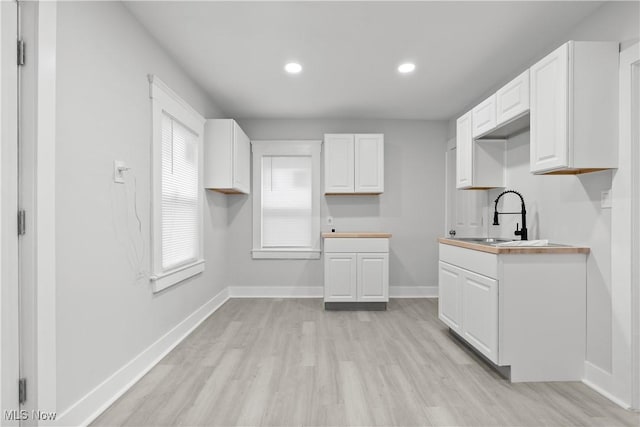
(523, 232)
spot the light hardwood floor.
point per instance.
(288, 363)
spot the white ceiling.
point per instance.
(236, 51)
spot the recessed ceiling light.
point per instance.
(407, 67)
(293, 68)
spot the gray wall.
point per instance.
(566, 209)
(106, 312)
(411, 206)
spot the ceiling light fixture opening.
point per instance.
(407, 67)
(293, 68)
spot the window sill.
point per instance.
(285, 254)
(165, 280)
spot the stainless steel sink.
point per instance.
(483, 240)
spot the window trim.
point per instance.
(163, 99)
(286, 148)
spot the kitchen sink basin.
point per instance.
(483, 240)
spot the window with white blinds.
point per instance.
(286, 202)
(179, 189)
(176, 190)
(286, 207)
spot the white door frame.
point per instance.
(38, 130)
(630, 69)
(622, 384)
(9, 292)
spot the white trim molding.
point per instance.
(622, 384)
(302, 148)
(276, 291)
(170, 278)
(166, 101)
(89, 407)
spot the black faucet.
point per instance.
(523, 211)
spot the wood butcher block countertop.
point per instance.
(357, 235)
(492, 249)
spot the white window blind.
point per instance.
(179, 194)
(286, 202)
(286, 199)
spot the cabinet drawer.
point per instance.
(480, 262)
(337, 244)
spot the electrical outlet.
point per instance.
(119, 167)
(329, 220)
(605, 201)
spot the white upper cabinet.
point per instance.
(227, 157)
(339, 165)
(353, 164)
(512, 100)
(369, 163)
(574, 109)
(484, 116)
(464, 146)
(479, 164)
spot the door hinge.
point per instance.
(21, 52)
(22, 390)
(22, 222)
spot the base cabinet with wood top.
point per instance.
(356, 270)
(521, 311)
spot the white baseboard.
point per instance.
(413, 291)
(318, 292)
(276, 291)
(88, 408)
(603, 382)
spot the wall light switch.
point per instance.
(329, 220)
(605, 201)
(119, 167)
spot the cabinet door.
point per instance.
(373, 277)
(484, 116)
(450, 296)
(512, 100)
(549, 111)
(464, 152)
(480, 313)
(369, 163)
(339, 163)
(241, 160)
(340, 277)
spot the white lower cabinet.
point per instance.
(480, 313)
(373, 277)
(468, 304)
(356, 270)
(450, 296)
(524, 312)
(340, 272)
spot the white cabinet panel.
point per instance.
(484, 116)
(464, 156)
(549, 111)
(340, 277)
(356, 269)
(241, 159)
(339, 165)
(480, 164)
(480, 313)
(512, 100)
(573, 109)
(353, 164)
(369, 163)
(227, 157)
(450, 296)
(373, 277)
